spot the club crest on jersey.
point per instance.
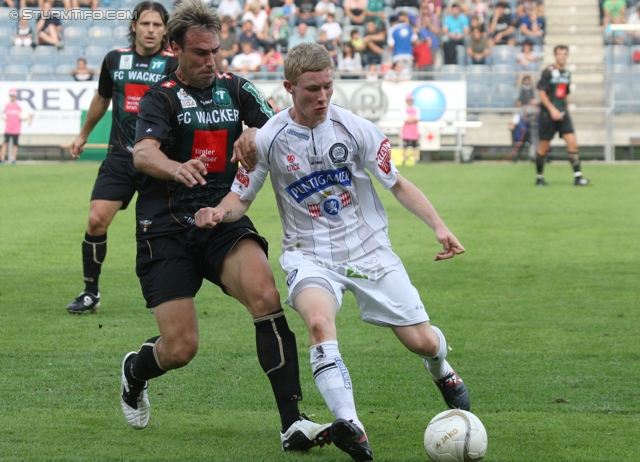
(338, 153)
(331, 206)
(145, 225)
(126, 62)
(292, 276)
(318, 182)
(220, 96)
(185, 100)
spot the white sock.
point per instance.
(437, 366)
(333, 380)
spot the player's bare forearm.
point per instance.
(546, 102)
(231, 208)
(149, 159)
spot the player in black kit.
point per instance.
(185, 135)
(125, 76)
(553, 89)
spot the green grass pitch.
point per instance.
(541, 315)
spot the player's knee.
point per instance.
(98, 224)
(425, 344)
(180, 354)
(264, 299)
(320, 328)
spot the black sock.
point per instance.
(273, 340)
(94, 250)
(540, 164)
(574, 160)
(145, 365)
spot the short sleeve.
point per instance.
(248, 184)
(375, 153)
(105, 83)
(543, 83)
(154, 117)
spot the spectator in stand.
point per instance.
(426, 19)
(279, 30)
(231, 9)
(375, 11)
(272, 60)
(331, 27)
(480, 9)
(260, 19)
(525, 7)
(527, 59)
(322, 9)
(300, 35)
(434, 9)
(289, 12)
(349, 63)
(613, 8)
(400, 39)
(532, 27)
(228, 40)
(82, 73)
(397, 73)
(263, 3)
(24, 34)
(356, 41)
(410, 135)
(526, 93)
(478, 47)
(7, 4)
(247, 35)
(455, 28)
(634, 18)
(32, 4)
(374, 41)
(614, 37)
(248, 60)
(77, 4)
(372, 73)
(502, 26)
(306, 12)
(356, 11)
(330, 45)
(423, 56)
(12, 114)
(49, 29)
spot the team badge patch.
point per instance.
(185, 100)
(331, 206)
(126, 62)
(292, 276)
(157, 65)
(145, 225)
(338, 153)
(384, 156)
(221, 97)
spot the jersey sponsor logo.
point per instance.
(169, 84)
(243, 177)
(318, 182)
(221, 96)
(338, 153)
(292, 276)
(143, 65)
(185, 100)
(212, 144)
(264, 106)
(126, 62)
(384, 156)
(331, 206)
(224, 75)
(293, 166)
(133, 93)
(561, 90)
(298, 134)
(157, 65)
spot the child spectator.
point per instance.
(410, 134)
(24, 34)
(350, 63)
(289, 12)
(82, 73)
(13, 114)
(372, 74)
(397, 73)
(279, 30)
(332, 28)
(322, 9)
(356, 41)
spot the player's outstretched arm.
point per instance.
(149, 159)
(244, 149)
(97, 110)
(230, 208)
(414, 200)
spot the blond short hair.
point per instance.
(191, 14)
(306, 57)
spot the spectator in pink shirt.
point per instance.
(410, 135)
(12, 115)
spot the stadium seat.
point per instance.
(504, 54)
(503, 95)
(339, 14)
(504, 74)
(120, 37)
(19, 72)
(617, 54)
(478, 96)
(621, 97)
(42, 72)
(75, 35)
(128, 4)
(621, 73)
(21, 55)
(5, 17)
(6, 35)
(45, 55)
(4, 54)
(76, 21)
(100, 35)
(69, 54)
(168, 4)
(461, 55)
(96, 50)
(95, 55)
(451, 72)
(63, 72)
(478, 74)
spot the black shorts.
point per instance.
(549, 127)
(173, 267)
(409, 143)
(118, 180)
(9, 137)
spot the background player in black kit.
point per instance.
(553, 89)
(125, 76)
(185, 135)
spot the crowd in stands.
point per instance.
(620, 12)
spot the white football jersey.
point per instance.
(328, 206)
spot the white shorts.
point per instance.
(378, 280)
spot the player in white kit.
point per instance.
(335, 234)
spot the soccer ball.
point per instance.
(455, 436)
